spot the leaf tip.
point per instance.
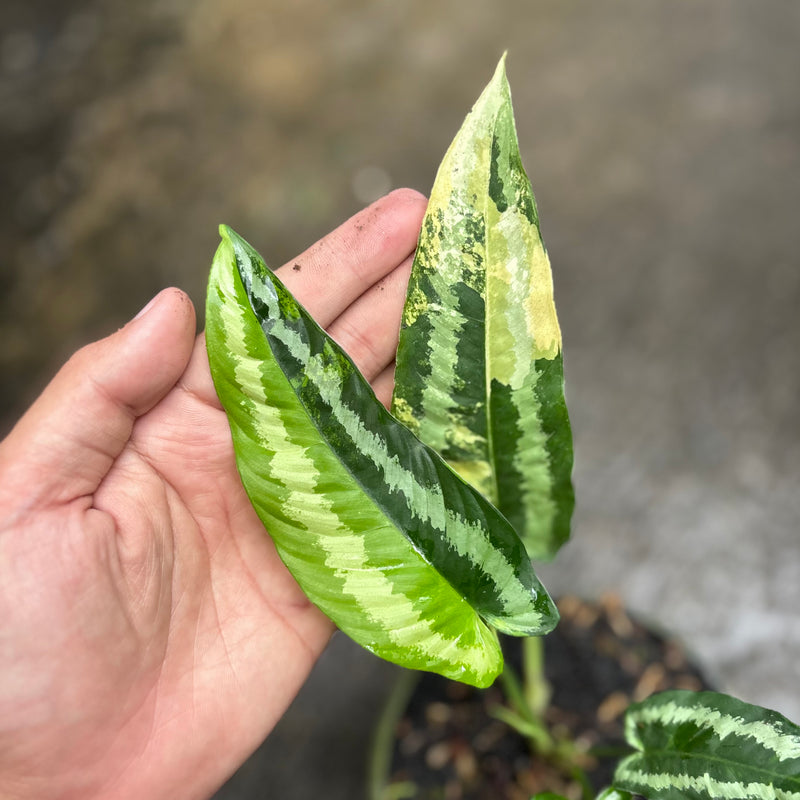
(225, 249)
(497, 90)
(500, 71)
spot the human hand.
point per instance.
(150, 636)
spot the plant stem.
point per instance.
(529, 697)
(381, 757)
(535, 685)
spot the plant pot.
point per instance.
(439, 740)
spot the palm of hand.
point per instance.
(154, 636)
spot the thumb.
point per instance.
(65, 444)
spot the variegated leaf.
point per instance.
(479, 367)
(705, 745)
(394, 547)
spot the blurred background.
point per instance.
(663, 143)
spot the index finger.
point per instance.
(333, 273)
(338, 269)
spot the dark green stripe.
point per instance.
(505, 437)
(415, 336)
(509, 185)
(463, 382)
(549, 389)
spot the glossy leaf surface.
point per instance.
(401, 553)
(706, 745)
(479, 367)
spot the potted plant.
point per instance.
(414, 530)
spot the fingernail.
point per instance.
(147, 307)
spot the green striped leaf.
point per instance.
(709, 745)
(391, 544)
(479, 367)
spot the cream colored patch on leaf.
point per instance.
(541, 307)
(478, 474)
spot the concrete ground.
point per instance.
(663, 142)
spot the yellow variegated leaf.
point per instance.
(479, 367)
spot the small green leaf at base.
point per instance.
(707, 745)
